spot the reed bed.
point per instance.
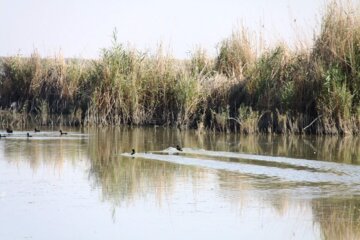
(244, 88)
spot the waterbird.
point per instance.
(132, 152)
(62, 133)
(2, 136)
(36, 130)
(9, 130)
(28, 135)
(178, 148)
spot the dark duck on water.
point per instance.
(62, 133)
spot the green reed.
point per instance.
(244, 88)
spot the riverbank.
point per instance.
(313, 90)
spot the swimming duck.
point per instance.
(9, 130)
(62, 133)
(2, 136)
(178, 148)
(28, 135)
(36, 130)
(132, 152)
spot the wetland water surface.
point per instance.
(86, 185)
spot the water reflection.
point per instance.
(37, 152)
(122, 179)
(337, 218)
(333, 210)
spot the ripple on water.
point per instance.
(296, 172)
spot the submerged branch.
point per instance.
(236, 120)
(312, 122)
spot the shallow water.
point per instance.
(86, 185)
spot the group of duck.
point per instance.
(10, 131)
(177, 148)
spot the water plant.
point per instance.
(244, 87)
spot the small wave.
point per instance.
(338, 168)
(348, 177)
(22, 135)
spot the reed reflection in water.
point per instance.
(172, 199)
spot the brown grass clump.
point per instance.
(277, 90)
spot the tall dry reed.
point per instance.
(277, 89)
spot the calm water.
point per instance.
(86, 185)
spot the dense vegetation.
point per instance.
(315, 90)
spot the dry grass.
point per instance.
(285, 89)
